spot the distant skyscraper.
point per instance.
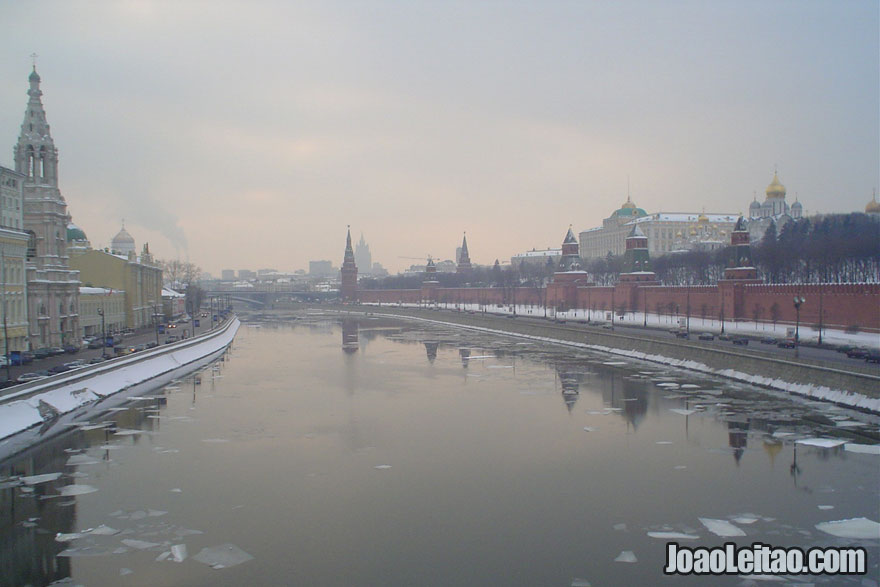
(362, 256)
(52, 287)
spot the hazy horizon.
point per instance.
(248, 135)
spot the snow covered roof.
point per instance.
(83, 290)
(170, 293)
(684, 217)
(543, 253)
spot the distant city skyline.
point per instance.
(253, 134)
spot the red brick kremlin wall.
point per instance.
(843, 305)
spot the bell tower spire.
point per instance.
(35, 153)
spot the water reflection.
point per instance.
(349, 335)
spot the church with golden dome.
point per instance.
(773, 210)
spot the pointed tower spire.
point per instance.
(35, 153)
(348, 285)
(464, 259)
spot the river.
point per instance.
(370, 451)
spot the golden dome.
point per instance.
(628, 204)
(775, 189)
(873, 206)
(703, 218)
(693, 231)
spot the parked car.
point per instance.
(740, 340)
(768, 340)
(845, 348)
(25, 377)
(75, 364)
(3, 361)
(42, 353)
(96, 360)
(27, 357)
(139, 348)
(857, 353)
(724, 336)
(787, 343)
(682, 334)
(55, 351)
(59, 369)
(71, 349)
(873, 357)
(172, 338)
(707, 336)
(95, 343)
(152, 344)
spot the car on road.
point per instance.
(171, 338)
(706, 336)
(872, 357)
(787, 343)
(740, 340)
(768, 340)
(59, 369)
(96, 360)
(71, 349)
(857, 353)
(682, 334)
(25, 377)
(724, 336)
(27, 357)
(75, 364)
(55, 351)
(608, 326)
(96, 343)
(42, 353)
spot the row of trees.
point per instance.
(183, 277)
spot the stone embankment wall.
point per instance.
(808, 378)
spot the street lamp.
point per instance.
(798, 300)
(103, 333)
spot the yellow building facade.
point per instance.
(13, 291)
(93, 301)
(137, 277)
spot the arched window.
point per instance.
(32, 244)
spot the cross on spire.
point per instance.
(33, 57)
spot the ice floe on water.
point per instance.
(580, 583)
(36, 479)
(852, 528)
(825, 507)
(721, 527)
(382, 467)
(77, 460)
(589, 429)
(821, 442)
(222, 556)
(673, 536)
(76, 489)
(139, 544)
(745, 519)
(870, 449)
(626, 556)
(178, 553)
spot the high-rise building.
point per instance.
(52, 287)
(362, 256)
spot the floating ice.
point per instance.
(689, 386)
(103, 530)
(673, 536)
(127, 432)
(76, 489)
(222, 556)
(663, 442)
(36, 479)
(721, 527)
(614, 363)
(86, 427)
(177, 490)
(822, 442)
(84, 551)
(215, 440)
(62, 537)
(870, 449)
(668, 385)
(580, 583)
(851, 528)
(626, 556)
(620, 527)
(163, 556)
(77, 460)
(178, 551)
(745, 519)
(156, 513)
(382, 467)
(139, 544)
(680, 467)
(782, 434)
(123, 572)
(682, 411)
(849, 424)
(825, 507)
(181, 532)
(589, 429)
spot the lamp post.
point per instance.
(156, 323)
(798, 301)
(687, 320)
(103, 332)
(645, 304)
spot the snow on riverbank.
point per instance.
(60, 397)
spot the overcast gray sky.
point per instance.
(249, 134)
